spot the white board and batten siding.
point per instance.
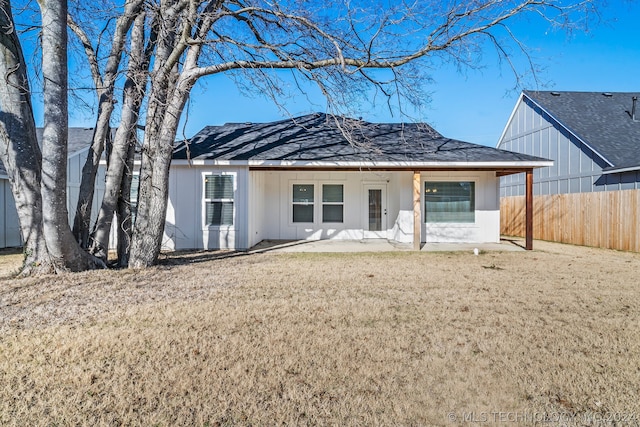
(185, 226)
(485, 228)
(263, 208)
(276, 214)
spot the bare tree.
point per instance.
(19, 148)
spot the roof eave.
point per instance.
(363, 164)
(610, 171)
(404, 165)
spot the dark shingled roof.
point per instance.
(79, 139)
(602, 120)
(320, 137)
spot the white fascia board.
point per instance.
(363, 165)
(183, 162)
(513, 113)
(570, 131)
(396, 165)
(621, 170)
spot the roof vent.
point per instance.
(607, 94)
(555, 93)
(634, 100)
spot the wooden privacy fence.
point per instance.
(608, 219)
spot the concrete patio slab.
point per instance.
(377, 245)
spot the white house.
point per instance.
(320, 177)
(315, 177)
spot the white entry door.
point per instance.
(375, 209)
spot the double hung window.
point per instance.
(218, 199)
(332, 203)
(303, 202)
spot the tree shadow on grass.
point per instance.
(186, 257)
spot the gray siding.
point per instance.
(10, 236)
(576, 169)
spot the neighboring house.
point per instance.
(593, 137)
(10, 236)
(234, 185)
(79, 143)
(590, 196)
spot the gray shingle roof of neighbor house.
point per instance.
(603, 121)
(320, 138)
(79, 139)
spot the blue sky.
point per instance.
(472, 105)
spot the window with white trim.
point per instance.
(303, 202)
(452, 202)
(332, 203)
(218, 200)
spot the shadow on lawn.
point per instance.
(185, 257)
(514, 241)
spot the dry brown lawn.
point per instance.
(10, 262)
(329, 339)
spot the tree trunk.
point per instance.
(82, 219)
(119, 159)
(63, 249)
(152, 200)
(19, 148)
(154, 182)
(170, 88)
(124, 213)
